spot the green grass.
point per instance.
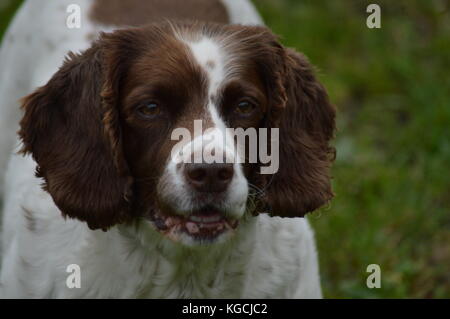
(392, 90)
(391, 87)
(7, 9)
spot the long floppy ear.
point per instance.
(71, 128)
(306, 125)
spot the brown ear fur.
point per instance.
(306, 126)
(71, 128)
(299, 107)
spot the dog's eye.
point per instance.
(149, 109)
(245, 108)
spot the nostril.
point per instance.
(209, 177)
(197, 174)
(225, 173)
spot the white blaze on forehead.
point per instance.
(210, 56)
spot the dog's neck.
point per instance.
(147, 264)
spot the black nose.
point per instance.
(213, 177)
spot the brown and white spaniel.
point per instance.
(99, 147)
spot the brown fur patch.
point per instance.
(140, 12)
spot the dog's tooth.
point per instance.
(229, 225)
(171, 221)
(192, 228)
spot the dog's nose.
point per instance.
(213, 177)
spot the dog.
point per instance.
(94, 179)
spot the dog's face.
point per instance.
(104, 130)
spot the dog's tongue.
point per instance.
(206, 217)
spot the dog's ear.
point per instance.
(306, 122)
(71, 127)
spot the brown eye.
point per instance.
(149, 110)
(245, 108)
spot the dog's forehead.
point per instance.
(196, 63)
(210, 56)
(217, 52)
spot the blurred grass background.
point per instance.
(391, 87)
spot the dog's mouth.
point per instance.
(205, 225)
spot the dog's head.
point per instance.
(118, 131)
